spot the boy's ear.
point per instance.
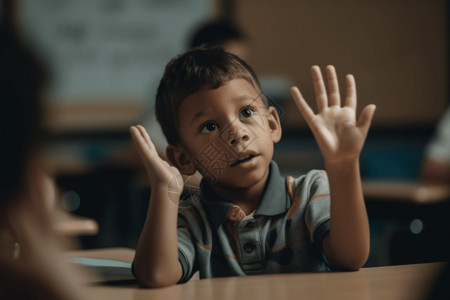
(274, 124)
(180, 159)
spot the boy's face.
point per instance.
(227, 134)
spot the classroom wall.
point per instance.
(397, 51)
(115, 51)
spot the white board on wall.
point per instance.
(109, 49)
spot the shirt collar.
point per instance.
(275, 199)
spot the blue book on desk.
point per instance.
(109, 271)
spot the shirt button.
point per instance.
(249, 248)
(250, 225)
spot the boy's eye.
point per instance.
(208, 127)
(247, 112)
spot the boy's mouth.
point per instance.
(243, 160)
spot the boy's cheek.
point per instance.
(260, 120)
(214, 159)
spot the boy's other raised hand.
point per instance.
(163, 177)
(339, 135)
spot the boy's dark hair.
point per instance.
(187, 74)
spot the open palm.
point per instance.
(162, 175)
(339, 134)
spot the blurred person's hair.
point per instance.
(22, 78)
(202, 67)
(216, 33)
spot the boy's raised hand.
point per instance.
(339, 135)
(163, 177)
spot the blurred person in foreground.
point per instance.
(31, 264)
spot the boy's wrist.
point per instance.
(343, 165)
(165, 193)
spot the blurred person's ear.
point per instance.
(178, 157)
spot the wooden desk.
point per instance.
(414, 221)
(406, 191)
(406, 282)
(396, 200)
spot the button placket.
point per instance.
(250, 248)
(250, 225)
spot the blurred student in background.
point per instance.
(436, 170)
(436, 165)
(222, 33)
(31, 265)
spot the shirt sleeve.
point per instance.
(318, 207)
(186, 249)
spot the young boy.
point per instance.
(246, 218)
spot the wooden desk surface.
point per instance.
(410, 192)
(406, 282)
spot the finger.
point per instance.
(319, 88)
(333, 87)
(142, 144)
(144, 134)
(146, 151)
(365, 119)
(350, 99)
(302, 106)
(135, 134)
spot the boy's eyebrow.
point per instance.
(199, 114)
(237, 98)
(245, 97)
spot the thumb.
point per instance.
(365, 119)
(301, 104)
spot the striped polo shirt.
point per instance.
(284, 234)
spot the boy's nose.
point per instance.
(237, 134)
